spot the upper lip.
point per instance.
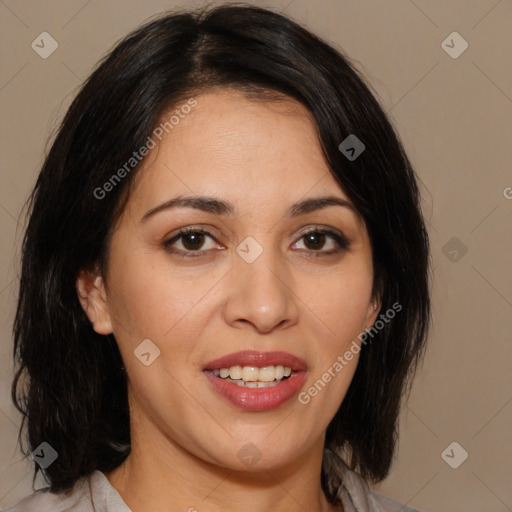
(257, 359)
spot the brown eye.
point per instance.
(316, 240)
(193, 241)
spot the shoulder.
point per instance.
(388, 504)
(78, 499)
(355, 494)
(92, 493)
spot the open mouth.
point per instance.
(254, 377)
(256, 381)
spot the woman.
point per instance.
(224, 290)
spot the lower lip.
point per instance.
(258, 399)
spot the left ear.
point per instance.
(373, 311)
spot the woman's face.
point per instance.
(248, 277)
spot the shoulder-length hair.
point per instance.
(76, 395)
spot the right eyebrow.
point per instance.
(221, 207)
(205, 204)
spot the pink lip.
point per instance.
(257, 399)
(257, 359)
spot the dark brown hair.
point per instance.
(76, 395)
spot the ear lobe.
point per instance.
(92, 295)
(373, 311)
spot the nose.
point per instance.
(261, 295)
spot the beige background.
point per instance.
(454, 116)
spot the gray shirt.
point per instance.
(95, 494)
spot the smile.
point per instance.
(255, 381)
(254, 377)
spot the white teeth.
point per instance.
(243, 384)
(253, 375)
(250, 373)
(267, 374)
(235, 372)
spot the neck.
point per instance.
(161, 476)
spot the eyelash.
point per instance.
(338, 238)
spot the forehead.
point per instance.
(227, 123)
(237, 147)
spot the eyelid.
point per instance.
(319, 228)
(335, 234)
(167, 243)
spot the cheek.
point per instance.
(156, 304)
(323, 395)
(336, 354)
(341, 301)
(152, 298)
(168, 306)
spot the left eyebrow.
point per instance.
(317, 203)
(220, 207)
